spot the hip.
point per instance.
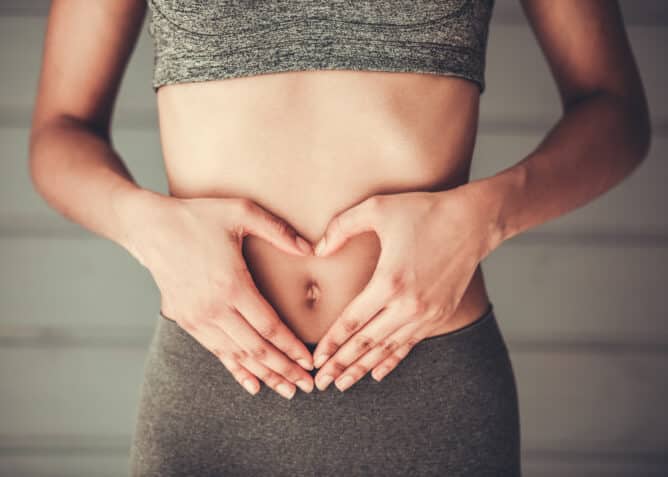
(450, 407)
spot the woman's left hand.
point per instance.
(431, 244)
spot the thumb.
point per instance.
(260, 222)
(344, 225)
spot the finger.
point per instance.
(272, 379)
(222, 346)
(258, 221)
(249, 382)
(375, 356)
(366, 338)
(356, 314)
(392, 361)
(352, 221)
(248, 339)
(262, 316)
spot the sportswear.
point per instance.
(200, 40)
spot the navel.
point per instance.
(312, 293)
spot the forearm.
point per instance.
(79, 174)
(597, 142)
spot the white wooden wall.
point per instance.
(581, 300)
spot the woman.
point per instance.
(290, 124)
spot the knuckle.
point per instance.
(350, 324)
(416, 304)
(274, 380)
(389, 345)
(358, 370)
(412, 341)
(435, 312)
(240, 355)
(233, 291)
(290, 372)
(259, 352)
(363, 343)
(392, 360)
(267, 377)
(338, 366)
(268, 330)
(234, 367)
(330, 347)
(227, 287)
(211, 310)
(396, 282)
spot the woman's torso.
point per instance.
(306, 145)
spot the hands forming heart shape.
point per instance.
(431, 244)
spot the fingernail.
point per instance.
(303, 245)
(344, 383)
(286, 390)
(324, 381)
(320, 247)
(380, 374)
(305, 364)
(306, 386)
(320, 360)
(250, 386)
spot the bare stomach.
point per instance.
(307, 145)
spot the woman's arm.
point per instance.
(207, 289)
(432, 242)
(73, 164)
(605, 129)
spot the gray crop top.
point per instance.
(199, 40)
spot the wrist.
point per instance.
(134, 207)
(491, 200)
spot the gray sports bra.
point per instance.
(199, 40)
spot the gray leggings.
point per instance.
(449, 408)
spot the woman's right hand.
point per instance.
(193, 249)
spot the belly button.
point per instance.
(312, 293)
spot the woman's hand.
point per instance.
(193, 249)
(431, 244)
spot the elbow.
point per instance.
(638, 125)
(630, 121)
(635, 127)
(37, 168)
(34, 163)
(639, 129)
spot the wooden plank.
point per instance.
(585, 295)
(579, 402)
(22, 208)
(78, 464)
(598, 466)
(73, 282)
(637, 204)
(520, 86)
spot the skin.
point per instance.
(254, 163)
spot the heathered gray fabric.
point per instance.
(449, 408)
(200, 40)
